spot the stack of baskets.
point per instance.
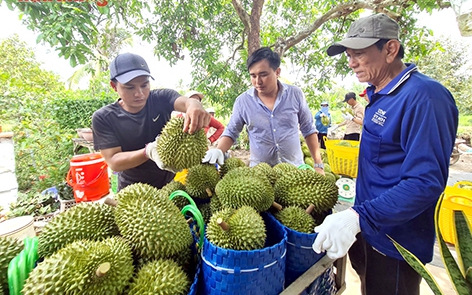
(343, 158)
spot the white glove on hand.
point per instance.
(337, 233)
(213, 156)
(151, 153)
(347, 116)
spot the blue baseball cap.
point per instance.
(127, 66)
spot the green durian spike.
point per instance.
(197, 216)
(181, 193)
(20, 266)
(305, 167)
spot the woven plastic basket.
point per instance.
(325, 284)
(455, 198)
(300, 254)
(261, 271)
(342, 159)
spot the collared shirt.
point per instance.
(351, 126)
(407, 139)
(273, 134)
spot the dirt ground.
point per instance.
(463, 165)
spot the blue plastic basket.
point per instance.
(300, 254)
(325, 284)
(261, 271)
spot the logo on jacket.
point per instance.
(379, 117)
(156, 118)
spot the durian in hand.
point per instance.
(160, 277)
(9, 249)
(297, 219)
(179, 150)
(201, 181)
(92, 221)
(243, 186)
(83, 267)
(301, 188)
(151, 222)
(241, 229)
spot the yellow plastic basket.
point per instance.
(342, 159)
(455, 198)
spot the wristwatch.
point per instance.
(320, 165)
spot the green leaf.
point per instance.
(416, 264)
(463, 244)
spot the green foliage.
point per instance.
(36, 204)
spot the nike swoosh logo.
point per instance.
(155, 119)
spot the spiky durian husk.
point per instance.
(246, 229)
(297, 219)
(229, 164)
(244, 187)
(179, 150)
(152, 223)
(266, 170)
(160, 277)
(171, 187)
(304, 187)
(201, 180)
(283, 168)
(73, 269)
(215, 204)
(205, 209)
(92, 221)
(9, 249)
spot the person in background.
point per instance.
(322, 123)
(353, 121)
(274, 113)
(408, 136)
(214, 123)
(125, 131)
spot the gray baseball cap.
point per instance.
(365, 32)
(127, 66)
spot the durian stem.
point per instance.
(190, 220)
(224, 226)
(208, 191)
(310, 209)
(111, 202)
(277, 206)
(103, 269)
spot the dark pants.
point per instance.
(321, 139)
(380, 274)
(352, 136)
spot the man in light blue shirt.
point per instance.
(274, 113)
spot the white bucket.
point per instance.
(18, 227)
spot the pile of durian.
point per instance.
(324, 157)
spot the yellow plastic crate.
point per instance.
(455, 198)
(343, 159)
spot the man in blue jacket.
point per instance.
(322, 123)
(410, 126)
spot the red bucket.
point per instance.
(88, 176)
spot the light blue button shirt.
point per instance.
(273, 135)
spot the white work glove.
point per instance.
(348, 116)
(151, 153)
(213, 156)
(337, 233)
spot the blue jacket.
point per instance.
(319, 126)
(407, 139)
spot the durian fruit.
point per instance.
(267, 170)
(84, 267)
(179, 150)
(152, 223)
(325, 120)
(309, 161)
(241, 229)
(297, 219)
(330, 176)
(160, 277)
(9, 249)
(201, 181)
(229, 164)
(283, 168)
(171, 187)
(92, 221)
(244, 187)
(304, 187)
(215, 204)
(205, 209)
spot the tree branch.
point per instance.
(243, 15)
(254, 36)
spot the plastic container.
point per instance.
(262, 271)
(343, 159)
(455, 198)
(88, 176)
(18, 227)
